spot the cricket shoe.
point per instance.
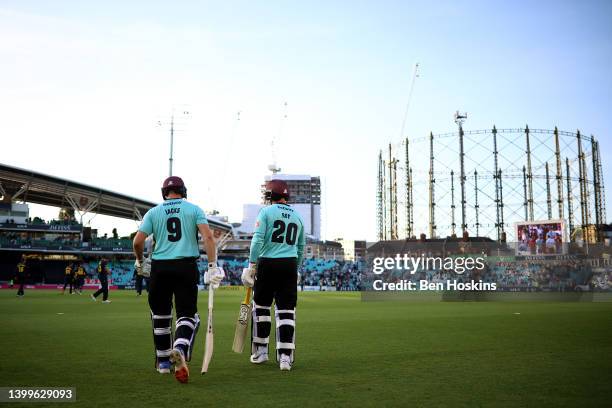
(285, 362)
(93, 298)
(181, 371)
(106, 301)
(260, 355)
(164, 367)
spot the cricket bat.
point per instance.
(242, 325)
(208, 347)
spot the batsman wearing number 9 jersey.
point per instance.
(276, 252)
(175, 224)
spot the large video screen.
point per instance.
(540, 237)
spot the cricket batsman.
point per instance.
(277, 249)
(175, 224)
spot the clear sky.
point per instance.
(83, 85)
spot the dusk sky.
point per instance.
(84, 85)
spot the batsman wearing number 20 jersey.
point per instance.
(175, 224)
(276, 252)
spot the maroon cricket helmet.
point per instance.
(277, 190)
(175, 184)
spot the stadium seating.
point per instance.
(112, 243)
(314, 272)
(343, 275)
(122, 271)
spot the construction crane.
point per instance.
(273, 166)
(415, 75)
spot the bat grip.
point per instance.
(211, 291)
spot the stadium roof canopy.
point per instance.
(38, 188)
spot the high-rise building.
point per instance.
(353, 250)
(305, 198)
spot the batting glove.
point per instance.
(138, 264)
(214, 275)
(248, 275)
(146, 268)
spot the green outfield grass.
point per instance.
(349, 353)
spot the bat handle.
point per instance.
(247, 298)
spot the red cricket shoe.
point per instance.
(181, 371)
